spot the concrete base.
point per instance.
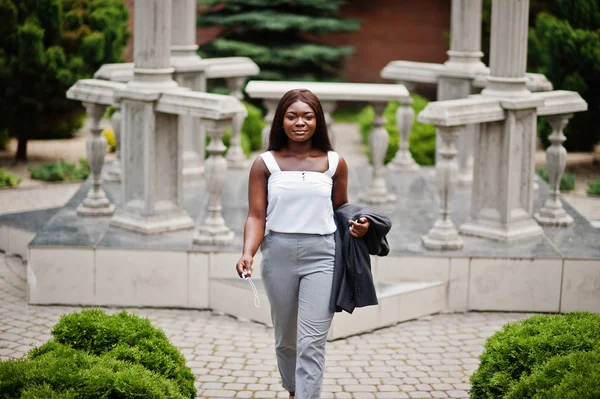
(496, 231)
(155, 224)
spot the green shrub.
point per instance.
(567, 181)
(253, 126)
(421, 138)
(7, 179)
(61, 171)
(574, 376)
(124, 337)
(521, 347)
(4, 139)
(594, 187)
(66, 373)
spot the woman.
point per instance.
(293, 190)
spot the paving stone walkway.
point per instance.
(432, 357)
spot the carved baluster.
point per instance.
(328, 108)
(405, 117)
(235, 155)
(377, 192)
(271, 108)
(214, 230)
(114, 173)
(443, 235)
(96, 203)
(552, 213)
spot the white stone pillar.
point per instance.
(152, 147)
(377, 192)
(213, 230)
(552, 213)
(114, 173)
(236, 158)
(508, 49)
(96, 203)
(186, 62)
(502, 197)
(443, 235)
(271, 108)
(456, 80)
(405, 118)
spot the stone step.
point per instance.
(398, 301)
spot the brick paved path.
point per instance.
(428, 358)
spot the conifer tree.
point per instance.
(45, 47)
(281, 36)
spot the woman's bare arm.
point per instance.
(339, 197)
(254, 229)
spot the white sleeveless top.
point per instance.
(300, 201)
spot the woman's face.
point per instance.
(299, 122)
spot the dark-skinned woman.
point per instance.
(293, 190)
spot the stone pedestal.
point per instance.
(502, 199)
(443, 235)
(152, 146)
(213, 230)
(377, 192)
(552, 213)
(96, 203)
(271, 108)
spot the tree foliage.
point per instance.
(281, 36)
(45, 47)
(566, 48)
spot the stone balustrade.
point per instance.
(378, 95)
(148, 208)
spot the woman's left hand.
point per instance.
(359, 228)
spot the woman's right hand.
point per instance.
(245, 263)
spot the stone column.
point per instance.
(271, 108)
(96, 203)
(213, 230)
(377, 192)
(456, 81)
(236, 158)
(502, 199)
(552, 213)
(152, 150)
(443, 235)
(508, 49)
(186, 62)
(114, 173)
(405, 117)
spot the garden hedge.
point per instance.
(518, 356)
(95, 355)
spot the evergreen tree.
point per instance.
(45, 47)
(566, 48)
(281, 36)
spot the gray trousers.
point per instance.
(297, 272)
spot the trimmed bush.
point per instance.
(594, 188)
(125, 337)
(61, 171)
(513, 353)
(574, 376)
(7, 179)
(65, 373)
(421, 138)
(4, 139)
(567, 181)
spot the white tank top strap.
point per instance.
(270, 161)
(333, 159)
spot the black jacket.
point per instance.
(353, 285)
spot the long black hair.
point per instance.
(277, 137)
